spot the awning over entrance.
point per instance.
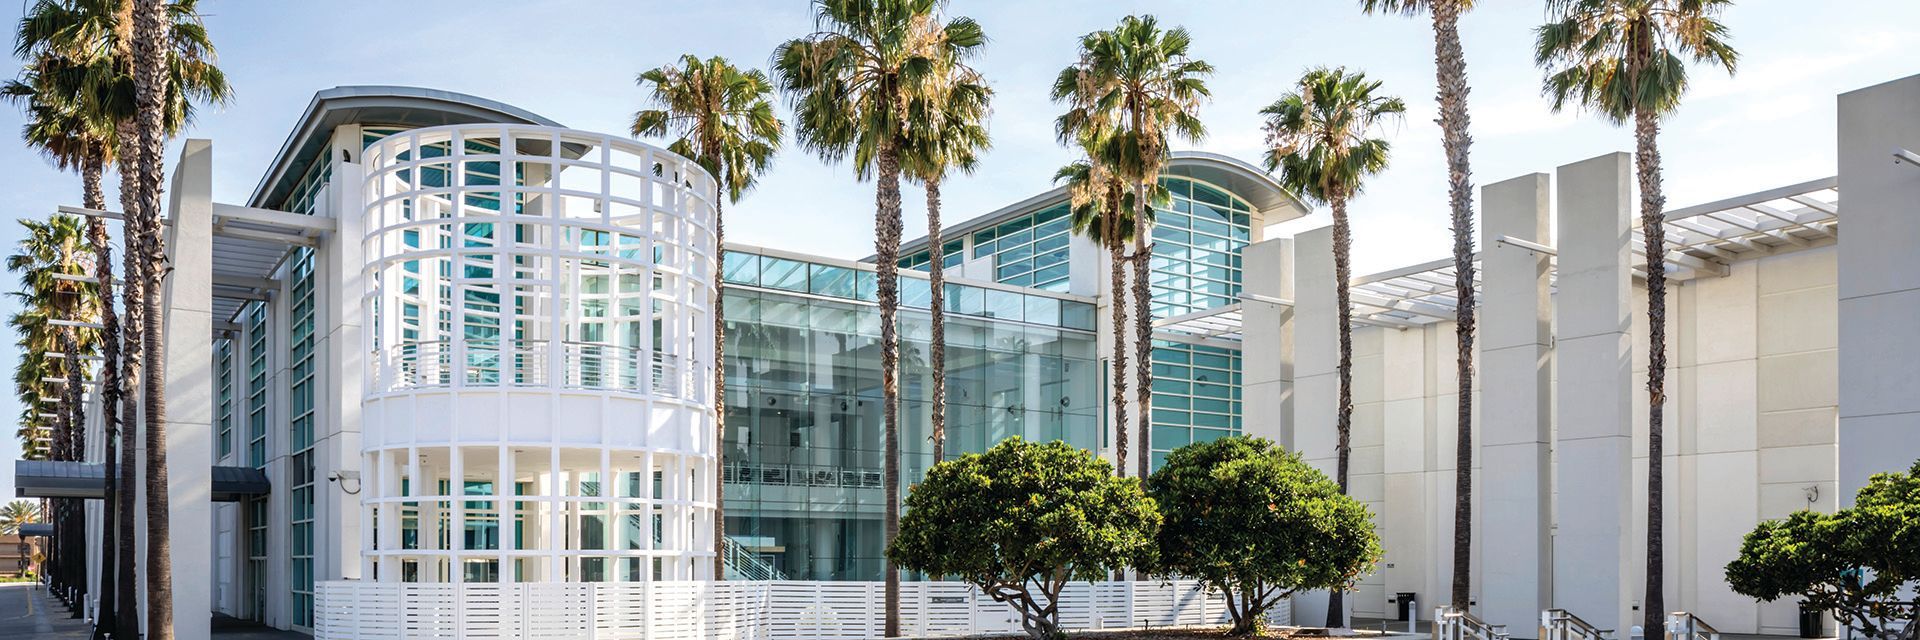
(87, 480)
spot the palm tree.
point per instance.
(1101, 209)
(147, 63)
(1450, 68)
(48, 259)
(1136, 85)
(947, 130)
(17, 513)
(73, 139)
(1626, 61)
(722, 117)
(851, 82)
(1318, 139)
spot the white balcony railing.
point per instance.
(531, 363)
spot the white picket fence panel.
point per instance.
(731, 610)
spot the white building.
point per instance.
(453, 343)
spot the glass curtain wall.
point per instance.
(804, 422)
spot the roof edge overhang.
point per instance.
(376, 104)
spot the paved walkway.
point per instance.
(49, 620)
(26, 611)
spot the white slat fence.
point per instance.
(730, 610)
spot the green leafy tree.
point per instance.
(1625, 60)
(1022, 520)
(1855, 562)
(852, 82)
(1134, 88)
(722, 117)
(1450, 71)
(1256, 522)
(1319, 139)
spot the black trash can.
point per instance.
(1811, 621)
(1405, 601)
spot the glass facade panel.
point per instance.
(1196, 395)
(804, 420)
(1198, 236)
(1029, 251)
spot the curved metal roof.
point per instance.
(375, 104)
(1275, 203)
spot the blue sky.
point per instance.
(1770, 125)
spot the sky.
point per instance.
(1769, 125)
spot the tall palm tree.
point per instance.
(148, 63)
(851, 82)
(1318, 138)
(1626, 60)
(1450, 69)
(947, 130)
(1137, 84)
(48, 260)
(722, 117)
(1101, 209)
(74, 139)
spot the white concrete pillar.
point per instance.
(188, 299)
(1316, 382)
(341, 349)
(1267, 341)
(1592, 312)
(1514, 340)
(1879, 283)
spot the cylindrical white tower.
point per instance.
(539, 372)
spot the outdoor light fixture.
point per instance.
(1909, 157)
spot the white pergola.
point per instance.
(1702, 240)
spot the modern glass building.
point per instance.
(462, 345)
(453, 343)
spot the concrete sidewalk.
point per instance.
(27, 611)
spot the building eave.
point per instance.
(375, 104)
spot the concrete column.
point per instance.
(340, 348)
(1593, 321)
(1267, 341)
(1514, 337)
(1316, 382)
(188, 300)
(1879, 283)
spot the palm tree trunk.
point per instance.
(1117, 270)
(1451, 67)
(1342, 274)
(116, 570)
(77, 420)
(128, 348)
(887, 248)
(150, 89)
(719, 383)
(1142, 325)
(937, 307)
(1652, 218)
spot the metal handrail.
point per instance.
(1454, 624)
(747, 564)
(526, 363)
(1686, 626)
(1560, 624)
